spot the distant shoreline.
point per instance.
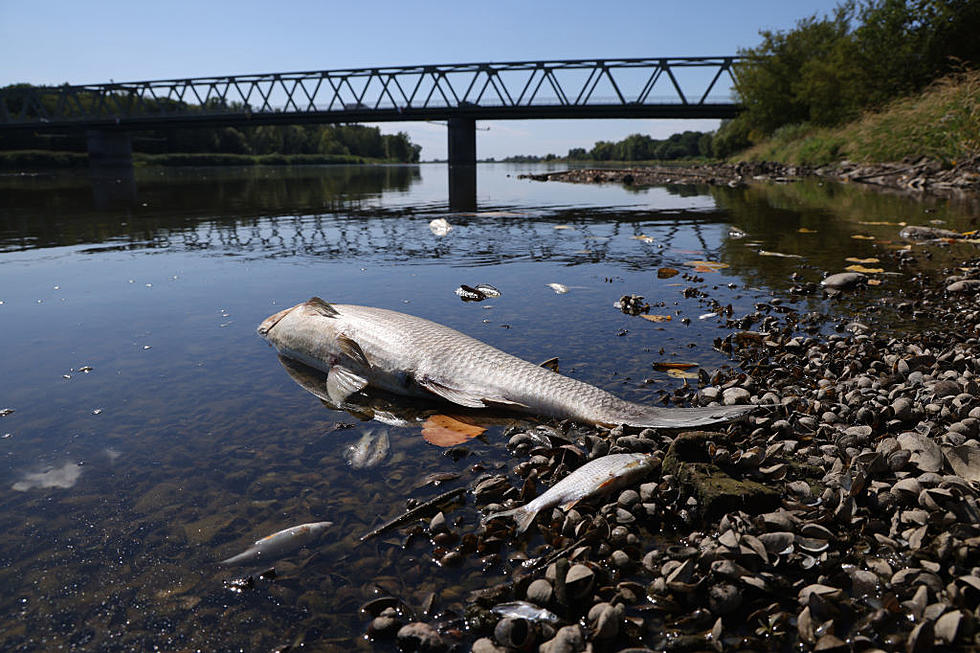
(28, 160)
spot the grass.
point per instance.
(942, 123)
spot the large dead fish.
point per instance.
(360, 346)
(597, 476)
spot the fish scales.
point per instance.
(596, 476)
(404, 354)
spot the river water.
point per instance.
(148, 433)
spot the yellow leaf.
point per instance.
(644, 238)
(878, 223)
(862, 237)
(861, 268)
(667, 273)
(564, 226)
(663, 366)
(854, 259)
(682, 374)
(874, 282)
(657, 318)
(706, 264)
(804, 230)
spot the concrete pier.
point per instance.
(109, 149)
(462, 164)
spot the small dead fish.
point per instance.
(469, 294)
(280, 544)
(559, 288)
(487, 290)
(595, 477)
(440, 227)
(369, 451)
(524, 610)
(765, 252)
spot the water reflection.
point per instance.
(61, 477)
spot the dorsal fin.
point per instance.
(322, 307)
(550, 364)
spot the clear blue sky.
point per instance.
(88, 41)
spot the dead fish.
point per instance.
(559, 288)
(280, 544)
(594, 477)
(476, 293)
(369, 451)
(524, 610)
(915, 232)
(358, 346)
(440, 227)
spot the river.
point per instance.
(148, 432)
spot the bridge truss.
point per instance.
(666, 87)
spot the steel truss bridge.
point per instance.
(461, 94)
(664, 87)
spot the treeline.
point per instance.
(635, 147)
(831, 69)
(325, 140)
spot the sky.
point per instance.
(91, 41)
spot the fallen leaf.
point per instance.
(657, 318)
(667, 273)
(861, 268)
(874, 282)
(564, 226)
(448, 431)
(706, 264)
(804, 230)
(702, 268)
(854, 259)
(682, 374)
(663, 366)
(878, 223)
(862, 237)
(643, 237)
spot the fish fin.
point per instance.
(352, 350)
(342, 383)
(460, 397)
(677, 418)
(245, 556)
(322, 307)
(523, 517)
(503, 403)
(568, 505)
(550, 364)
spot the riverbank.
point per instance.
(842, 515)
(920, 175)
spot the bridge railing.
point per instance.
(681, 81)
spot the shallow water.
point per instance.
(154, 434)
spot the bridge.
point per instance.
(460, 94)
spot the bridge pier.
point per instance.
(109, 149)
(462, 164)
(110, 160)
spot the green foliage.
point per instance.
(333, 140)
(832, 69)
(635, 147)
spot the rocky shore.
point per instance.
(842, 515)
(922, 175)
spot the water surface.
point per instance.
(154, 434)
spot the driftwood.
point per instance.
(414, 513)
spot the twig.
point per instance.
(418, 510)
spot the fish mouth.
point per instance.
(272, 321)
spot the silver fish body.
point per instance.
(280, 543)
(597, 476)
(524, 610)
(370, 451)
(358, 346)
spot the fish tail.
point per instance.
(676, 418)
(522, 515)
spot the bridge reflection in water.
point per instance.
(336, 214)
